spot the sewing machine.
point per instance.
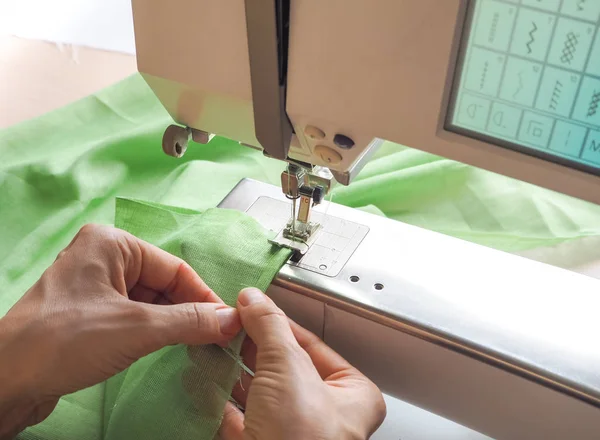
(498, 343)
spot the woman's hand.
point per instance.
(302, 389)
(108, 299)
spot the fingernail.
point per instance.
(251, 296)
(229, 321)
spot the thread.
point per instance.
(238, 360)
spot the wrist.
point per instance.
(17, 402)
(16, 414)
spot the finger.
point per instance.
(160, 271)
(232, 426)
(367, 406)
(189, 323)
(328, 363)
(264, 322)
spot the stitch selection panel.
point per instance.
(530, 78)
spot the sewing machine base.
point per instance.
(495, 342)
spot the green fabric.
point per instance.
(78, 416)
(64, 169)
(177, 392)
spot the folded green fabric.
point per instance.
(179, 392)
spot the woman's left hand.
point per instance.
(108, 299)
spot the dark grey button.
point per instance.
(343, 141)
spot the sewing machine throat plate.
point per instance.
(333, 247)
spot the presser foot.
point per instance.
(309, 186)
(298, 237)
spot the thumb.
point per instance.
(232, 424)
(193, 323)
(265, 323)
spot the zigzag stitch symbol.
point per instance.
(531, 37)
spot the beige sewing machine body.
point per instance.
(496, 342)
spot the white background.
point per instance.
(101, 24)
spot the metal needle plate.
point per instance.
(334, 245)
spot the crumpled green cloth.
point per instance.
(178, 392)
(64, 169)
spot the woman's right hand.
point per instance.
(302, 389)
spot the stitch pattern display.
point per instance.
(531, 37)
(531, 76)
(569, 48)
(594, 103)
(555, 95)
(486, 65)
